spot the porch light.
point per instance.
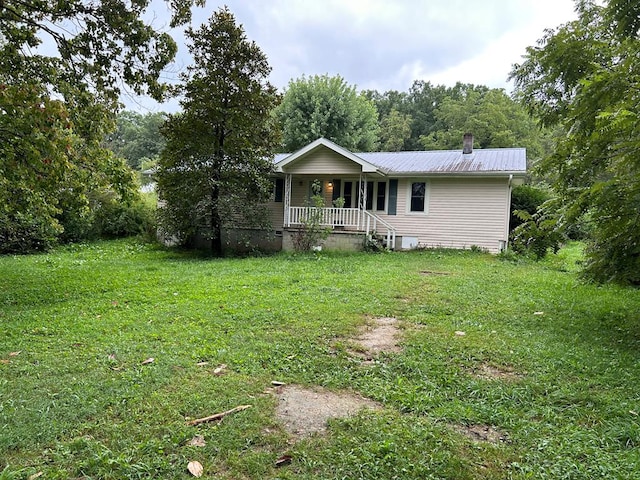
(330, 184)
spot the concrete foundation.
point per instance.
(337, 240)
(244, 241)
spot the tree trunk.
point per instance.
(216, 223)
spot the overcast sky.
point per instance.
(385, 44)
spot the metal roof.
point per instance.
(498, 160)
(452, 162)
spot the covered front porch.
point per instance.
(346, 205)
(346, 184)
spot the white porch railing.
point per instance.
(345, 217)
(371, 226)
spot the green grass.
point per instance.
(76, 402)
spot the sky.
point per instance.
(381, 44)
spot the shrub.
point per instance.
(372, 243)
(538, 232)
(115, 220)
(23, 233)
(526, 198)
(311, 231)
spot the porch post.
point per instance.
(359, 197)
(362, 194)
(287, 200)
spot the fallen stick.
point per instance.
(218, 416)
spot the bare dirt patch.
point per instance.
(379, 336)
(481, 433)
(491, 372)
(304, 412)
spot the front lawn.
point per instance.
(522, 350)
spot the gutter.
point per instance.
(512, 174)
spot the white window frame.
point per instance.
(376, 184)
(427, 190)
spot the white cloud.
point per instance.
(386, 45)
(492, 66)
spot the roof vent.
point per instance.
(467, 143)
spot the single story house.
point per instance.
(451, 199)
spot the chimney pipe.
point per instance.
(467, 143)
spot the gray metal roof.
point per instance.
(280, 156)
(481, 161)
(512, 160)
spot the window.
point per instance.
(418, 194)
(380, 198)
(347, 194)
(335, 194)
(278, 190)
(360, 192)
(369, 205)
(392, 207)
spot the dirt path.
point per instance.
(305, 411)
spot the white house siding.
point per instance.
(276, 214)
(323, 161)
(301, 188)
(461, 212)
(299, 193)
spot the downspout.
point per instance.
(508, 216)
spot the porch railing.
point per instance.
(371, 227)
(346, 217)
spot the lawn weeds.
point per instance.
(504, 369)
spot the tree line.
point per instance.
(426, 117)
(574, 109)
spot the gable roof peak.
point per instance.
(323, 142)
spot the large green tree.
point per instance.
(585, 77)
(214, 171)
(436, 117)
(97, 46)
(62, 67)
(137, 137)
(324, 106)
(50, 169)
(395, 130)
(495, 120)
(422, 100)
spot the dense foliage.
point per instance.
(417, 105)
(323, 106)
(52, 167)
(137, 138)
(395, 129)
(528, 198)
(214, 171)
(98, 46)
(495, 120)
(436, 117)
(585, 77)
(55, 111)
